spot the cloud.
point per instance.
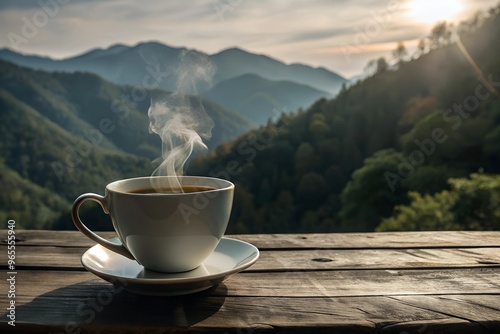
(317, 35)
(292, 31)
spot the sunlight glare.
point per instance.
(430, 11)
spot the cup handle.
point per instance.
(103, 202)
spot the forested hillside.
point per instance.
(248, 83)
(44, 167)
(64, 134)
(345, 163)
(256, 97)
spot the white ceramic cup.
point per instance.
(166, 232)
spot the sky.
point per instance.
(339, 35)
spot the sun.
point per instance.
(429, 11)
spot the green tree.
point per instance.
(440, 34)
(478, 202)
(311, 188)
(304, 158)
(370, 68)
(282, 213)
(243, 213)
(421, 47)
(400, 53)
(368, 196)
(318, 128)
(382, 65)
(265, 192)
(424, 213)
(471, 204)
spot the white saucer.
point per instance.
(229, 257)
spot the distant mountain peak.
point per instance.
(235, 51)
(100, 52)
(156, 44)
(13, 53)
(7, 50)
(232, 50)
(124, 64)
(118, 46)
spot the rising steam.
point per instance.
(179, 119)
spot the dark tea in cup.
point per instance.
(170, 190)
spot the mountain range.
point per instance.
(291, 86)
(68, 133)
(261, 98)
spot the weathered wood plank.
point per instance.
(124, 311)
(455, 326)
(368, 283)
(421, 282)
(460, 239)
(485, 310)
(286, 260)
(96, 306)
(307, 283)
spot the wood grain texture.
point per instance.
(95, 304)
(404, 240)
(45, 257)
(344, 283)
(417, 282)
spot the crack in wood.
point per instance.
(473, 303)
(487, 262)
(439, 312)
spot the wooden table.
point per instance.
(412, 282)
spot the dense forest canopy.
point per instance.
(404, 138)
